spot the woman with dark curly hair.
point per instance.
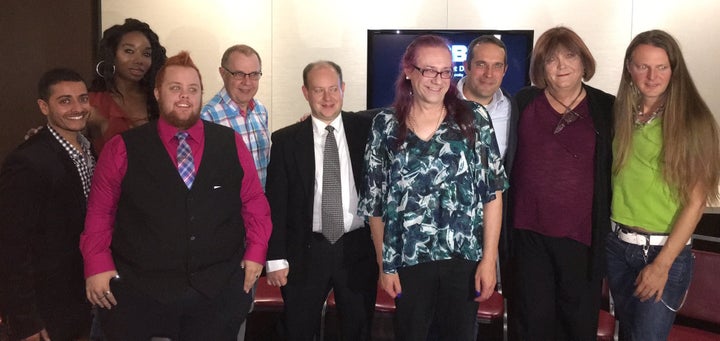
(122, 92)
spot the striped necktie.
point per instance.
(185, 162)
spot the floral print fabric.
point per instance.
(431, 193)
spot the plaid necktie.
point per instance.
(185, 162)
(332, 215)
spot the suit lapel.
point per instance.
(305, 157)
(67, 164)
(356, 145)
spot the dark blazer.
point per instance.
(42, 213)
(290, 189)
(601, 108)
(505, 243)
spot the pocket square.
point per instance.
(217, 186)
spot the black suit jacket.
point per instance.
(290, 189)
(42, 213)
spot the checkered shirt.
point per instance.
(84, 161)
(253, 126)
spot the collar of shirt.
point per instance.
(196, 140)
(498, 96)
(72, 151)
(319, 126)
(497, 100)
(226, 97)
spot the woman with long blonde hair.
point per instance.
(666, 168)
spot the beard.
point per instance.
(181, 123)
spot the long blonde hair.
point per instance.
(690, 152)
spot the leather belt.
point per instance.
(642, 239)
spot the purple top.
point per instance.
(552, 178)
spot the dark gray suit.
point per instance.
(348, 266)
(42, 213)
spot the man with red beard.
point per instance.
(179, 203)
(44, 185)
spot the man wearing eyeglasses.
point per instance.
(235, 105)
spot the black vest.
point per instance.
(167, 237)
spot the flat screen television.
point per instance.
(386, 47)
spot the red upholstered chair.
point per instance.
(606, 326)
(383, 302)
(267, 297)
(606, 321)
(703, 300)
(492, 309)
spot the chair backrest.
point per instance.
(703, 298)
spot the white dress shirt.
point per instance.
(499, 109)
(351, 220)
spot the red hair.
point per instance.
(181, 59)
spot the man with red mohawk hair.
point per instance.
(179, 203)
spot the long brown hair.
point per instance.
(690, 152)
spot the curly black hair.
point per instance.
(105, 81)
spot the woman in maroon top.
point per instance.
(559, 195)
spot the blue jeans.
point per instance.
(645, 320)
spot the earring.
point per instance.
(406, 77)
(97, 69)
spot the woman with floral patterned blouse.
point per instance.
(433, 197)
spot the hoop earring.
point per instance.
(97, 69)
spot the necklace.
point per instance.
(642, 119)
(568, 108)
(414, 126)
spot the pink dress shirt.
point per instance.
(106, 189)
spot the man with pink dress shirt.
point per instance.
(177, 225)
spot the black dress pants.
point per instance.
(192, 316)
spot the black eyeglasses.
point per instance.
(430, 73)
(239, 75)
(567, 118)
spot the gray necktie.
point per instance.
(332, 215)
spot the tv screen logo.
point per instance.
(459, 56)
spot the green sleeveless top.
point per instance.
(641, 196)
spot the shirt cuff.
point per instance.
(255, 253)
(99, 263)
(276, 264)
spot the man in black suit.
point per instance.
(319, 242)
(43, 193)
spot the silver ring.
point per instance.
(107, 293)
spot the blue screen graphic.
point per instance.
(386, 47)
